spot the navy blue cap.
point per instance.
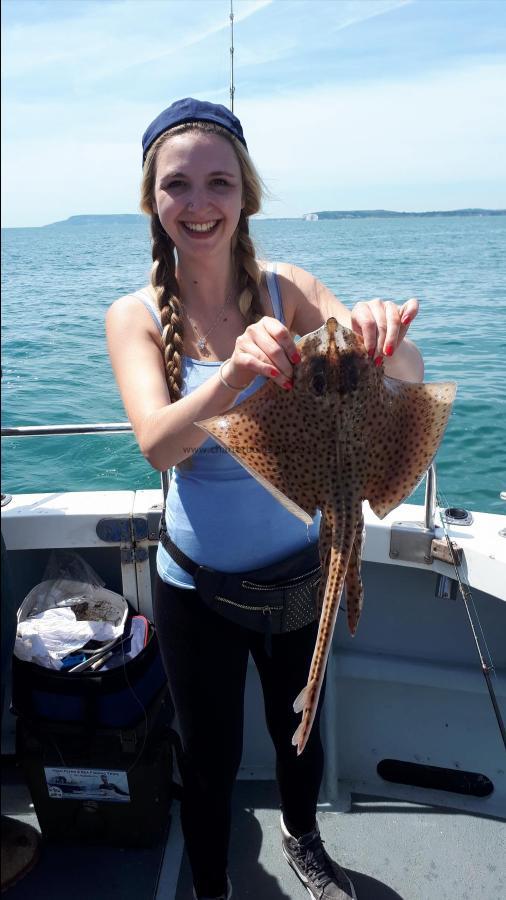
(190, 110)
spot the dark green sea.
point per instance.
(58, 282)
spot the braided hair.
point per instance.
(163, 270)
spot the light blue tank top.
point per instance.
(217, 513)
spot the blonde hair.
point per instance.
(163, 271)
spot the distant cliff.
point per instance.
(132, 219)
(127, 219)
(392, 214)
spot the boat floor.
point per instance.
(391, 850)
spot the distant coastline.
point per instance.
(392, 214)
(133, 219)
(136, 219)
(120, 219)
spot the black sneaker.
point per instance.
(321, 876)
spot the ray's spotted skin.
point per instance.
(344, 434)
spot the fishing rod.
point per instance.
(232, 88)
(486, 662)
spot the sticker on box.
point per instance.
(87, 784)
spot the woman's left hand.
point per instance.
(382, 325)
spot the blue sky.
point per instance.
(346, 104)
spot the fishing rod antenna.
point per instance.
(232, 87)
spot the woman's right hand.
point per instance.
(264, 348)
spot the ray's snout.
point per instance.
(331, 326)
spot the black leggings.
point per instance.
(206, 658)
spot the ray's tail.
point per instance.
(333, 574)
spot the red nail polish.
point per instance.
(296, 358)
(274, 373)
(405, 320)
(288, 385)
(378, 361)
(389, 350)
(371, 352)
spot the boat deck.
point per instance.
(391, 849)
(406, 690)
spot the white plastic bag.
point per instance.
(50, 635)
(63, 613)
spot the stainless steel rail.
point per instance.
(430, 498)
(94, 428)
(91, 428)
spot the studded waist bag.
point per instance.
(275, 599)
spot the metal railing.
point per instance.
(94, 428)
(430, 498)
(89, 428)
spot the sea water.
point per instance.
(58, 281)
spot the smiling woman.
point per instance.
(199, 189)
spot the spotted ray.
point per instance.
(345, 433)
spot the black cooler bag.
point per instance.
(112, 698)
(97, 749)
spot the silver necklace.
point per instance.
(202, 338)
